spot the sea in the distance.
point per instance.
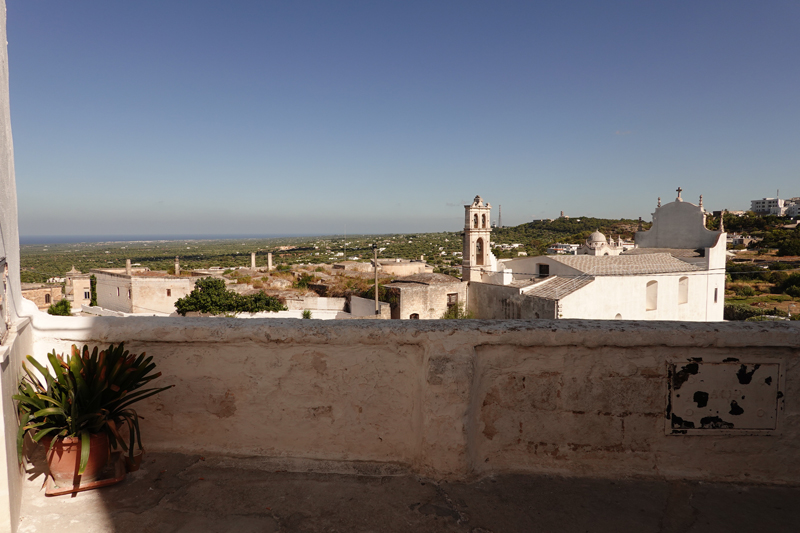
(70, 239)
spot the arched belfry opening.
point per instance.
(477, 236)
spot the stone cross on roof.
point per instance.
(679, 194)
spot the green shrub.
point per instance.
(61, 307)
(457, 312)
(306, 313)
(303, 281)
(211, 296)
(790, 285)
(734, 311)
(744, 290)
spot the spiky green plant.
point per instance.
(85, 393)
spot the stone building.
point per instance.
(425, 296)
(78, 288)
(140, 290)
(42, 294)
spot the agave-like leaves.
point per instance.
(87, 392)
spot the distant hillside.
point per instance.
(537, 236)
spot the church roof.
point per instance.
(559, 287)
(622, 265)
(674, 252)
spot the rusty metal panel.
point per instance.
(729, 397)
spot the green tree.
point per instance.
(93, 285)
(61, 307)
(211, 296)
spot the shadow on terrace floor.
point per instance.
(181, 493)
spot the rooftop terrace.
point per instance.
(177, 493)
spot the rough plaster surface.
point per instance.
(447, 399)
(181, 493)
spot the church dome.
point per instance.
(597, 238)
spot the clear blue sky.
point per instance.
(249, 116)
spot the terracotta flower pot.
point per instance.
(64, 459)
(133, 465)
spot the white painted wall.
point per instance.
(608, 296)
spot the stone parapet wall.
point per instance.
(450, 399)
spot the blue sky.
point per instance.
(256, 117)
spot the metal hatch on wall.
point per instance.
(727, 397)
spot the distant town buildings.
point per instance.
(776, 206)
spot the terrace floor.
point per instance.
(182, 493)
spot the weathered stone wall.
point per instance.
(39, 295)
(448, 399)
(364, 307)
(489, 301)
(150, 294)
(113, 290)
(428, 301)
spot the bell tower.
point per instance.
(477, 231)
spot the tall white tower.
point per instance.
(477, 231)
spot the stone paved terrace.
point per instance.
(189, 493)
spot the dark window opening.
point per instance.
(452, 299)
(414, 316)
(47, 298)
(475, 221)
(479, 251)
(544, 271)
(169, 292)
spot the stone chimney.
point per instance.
(177, 266)
(252, 260)
(269, 262)
(128, 269)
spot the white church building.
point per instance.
(676, 271)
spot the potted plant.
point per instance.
(81, 407)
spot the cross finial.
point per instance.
(679, 194)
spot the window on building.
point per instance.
(452, 299)
(479, 251)
(87, 295)
(715, 295)
(475, 221)
(414, 316)
(544, 270)
(483, 221)
(652, 296)
(47, 298)
(129, 294)
(683, 290)
(618, 317)
(169, 292)
(117, 291)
